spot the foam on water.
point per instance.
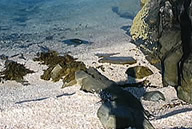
(29, 22)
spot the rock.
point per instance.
(153, 96)
(144, 30)
(123, 110)
(163, 27)
(143, 2)
(120, 108)
(100, 55)
(3, 57)
(123, 11)
(154, 61)
(49, 37)
(76, 42)
(118, 60)
(141, 28)
(55, 72)
(101, 67)
(135, 84)
(185, 90)
(92, 81)
(115, 116)
(139, 72)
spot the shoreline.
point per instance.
(10, 111)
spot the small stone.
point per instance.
(118, 60)
(139, 72)
(153, 96)
(55, 72)
(100, 55)
(49, 37)
(101, 67)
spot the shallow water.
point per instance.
(48, 22)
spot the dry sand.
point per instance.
(37, 106)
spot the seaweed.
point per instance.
(14, 71)
(60, 67)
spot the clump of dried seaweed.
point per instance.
(60, 67)
(14, 71)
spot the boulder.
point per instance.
(120, 109)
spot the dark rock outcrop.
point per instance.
(164, 27)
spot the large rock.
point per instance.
(160, 29)
(122, 110)
(92, 81)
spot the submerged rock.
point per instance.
(118, 60)
(3, 57)
(127, 8)
(139, 72)
(153, 96)
(14, 71)
(60, 67)
(76, 42)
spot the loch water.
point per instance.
(52, 23)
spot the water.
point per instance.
(26, 23)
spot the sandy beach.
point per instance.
(37, 105)
(44, 104)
